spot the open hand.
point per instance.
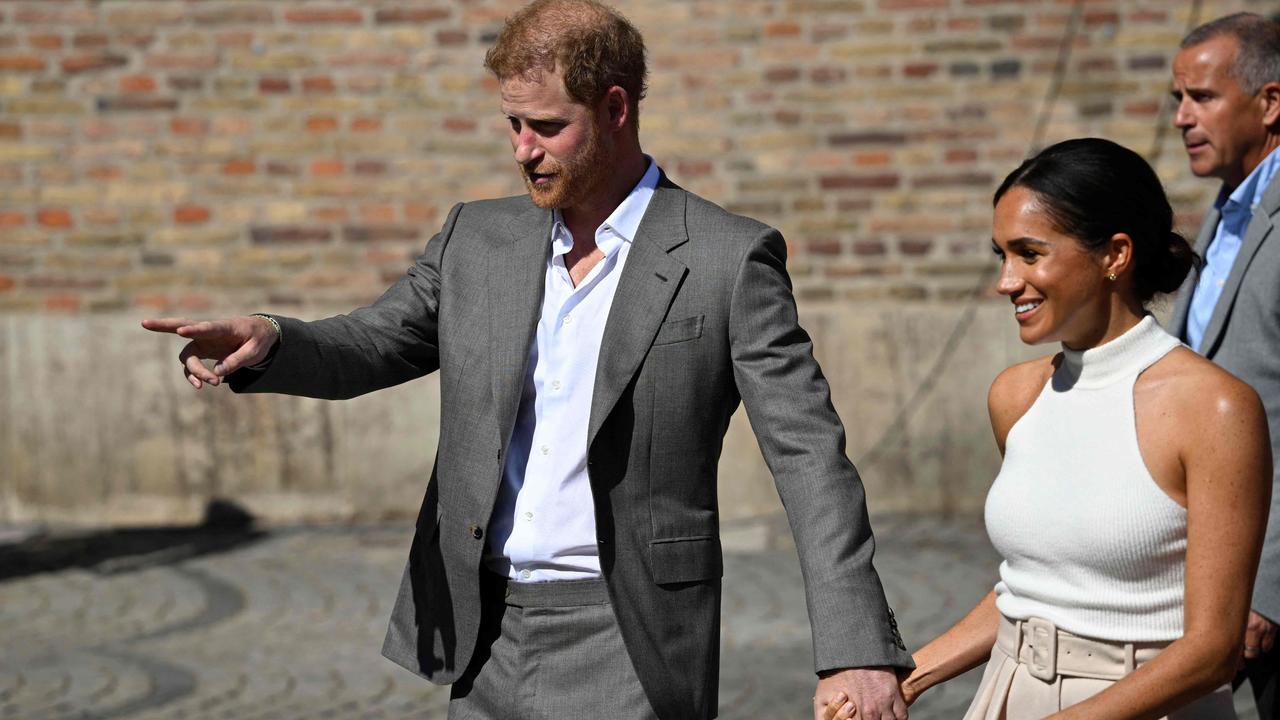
(232, 344)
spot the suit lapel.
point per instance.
(650, 278)
(1260, 226)
(517, 272)
(1208, 228)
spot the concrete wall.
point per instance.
(97, 425)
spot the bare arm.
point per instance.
(964, 646)
(1227, 459)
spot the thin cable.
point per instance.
(896, 429)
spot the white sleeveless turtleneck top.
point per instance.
(1089, 541)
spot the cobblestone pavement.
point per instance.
(288, 626)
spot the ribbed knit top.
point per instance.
(1089, 541)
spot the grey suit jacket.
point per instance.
(1243, 337)
(703, 317)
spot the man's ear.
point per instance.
(1270, 97)
(615, 109)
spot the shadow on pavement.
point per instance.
(226, 526)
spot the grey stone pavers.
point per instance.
(289, 627)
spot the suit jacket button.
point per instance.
(477, 532)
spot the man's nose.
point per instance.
(525, 145)
(1182, 115)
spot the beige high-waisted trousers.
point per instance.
(1036, 670)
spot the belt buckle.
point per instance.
(1042, 636)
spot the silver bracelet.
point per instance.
(274, 324)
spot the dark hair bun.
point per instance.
(1163, 269)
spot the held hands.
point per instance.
(865, 693)
(232, 344)
(1259, 636)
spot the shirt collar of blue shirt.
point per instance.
(621, 225)
(1240, 203)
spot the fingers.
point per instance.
(169, 325)
(838, 708)
(196, 372)
(1268, 635)
(208, 330)
(249, 353)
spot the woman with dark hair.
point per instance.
(1133, 496)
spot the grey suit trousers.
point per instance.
(548, 651)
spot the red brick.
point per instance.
(961, 156)
(62, 303)
(12, 218)
(45, 42)
(318, 84)
(134, 103)
(10, 130)
(234, 15)
(413, 15)
(331, 214)
(137, 84)
(188, 126)
(238, 167)
(827, 75)
(279, 168)
(190, 214)
(420, 212)
(915, 4)
(451, 37)
(21, 63)
(459, 124)
(782, 29)
(919, 70)
(54, 218)
(366, 124)
(327, 168)
(377, 213)
(104, 172)
(312, 15)
(271, 85)
(6, 283)
(90, 41)
(321, 124)
(914, 246)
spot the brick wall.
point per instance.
(162, 156)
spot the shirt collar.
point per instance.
(623, 222)
(1249, 193)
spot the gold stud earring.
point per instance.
(1111, 277)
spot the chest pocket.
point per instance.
(678, 331)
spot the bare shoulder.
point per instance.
(1015, 389)
(1188, 385)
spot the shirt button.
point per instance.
(525, 574)
(545, 450)
(477, 532)
(568, 319)
(528, 516)
(555, 384)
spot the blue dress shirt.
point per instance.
(1235, 209)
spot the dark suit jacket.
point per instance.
(1243, 336)
(703, 318)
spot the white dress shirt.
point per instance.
(544, 526)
